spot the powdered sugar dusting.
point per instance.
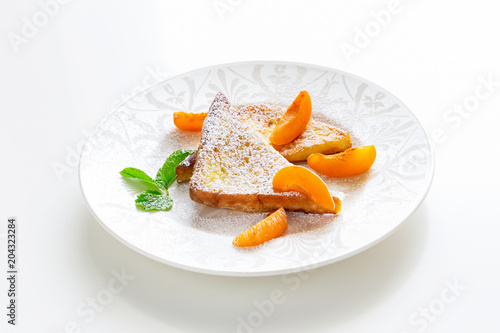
(234, 158)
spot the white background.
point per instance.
(58, 82)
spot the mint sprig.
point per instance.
(150, 200)
(154, 200)
(139, 175)
(167, 171)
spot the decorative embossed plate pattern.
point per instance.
(140, 133)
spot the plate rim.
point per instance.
(281, 271)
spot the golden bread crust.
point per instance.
(257, 202)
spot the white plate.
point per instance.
(141, 134)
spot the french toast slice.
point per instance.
(235, 168)
(318, 137)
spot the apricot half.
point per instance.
(294, 120)
(351, 162)
(188, 121)
(271, 227)
(300, 179)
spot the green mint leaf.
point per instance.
(158, 179)
(153, 200)
(135, 173)
(138, 174)
(158, 199)
(167, 172)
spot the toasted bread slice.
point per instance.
(318, 137)
(235, 168)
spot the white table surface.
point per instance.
(58, 82)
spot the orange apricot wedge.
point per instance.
(188, 121)
(303, 180)
(338, 205)
(294, 120)
(350, 162)
(274, 225)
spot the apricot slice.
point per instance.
(274, 225)
(294, 120)
(351, 162)
(338, 205)
(188, 121)
(300, 179)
